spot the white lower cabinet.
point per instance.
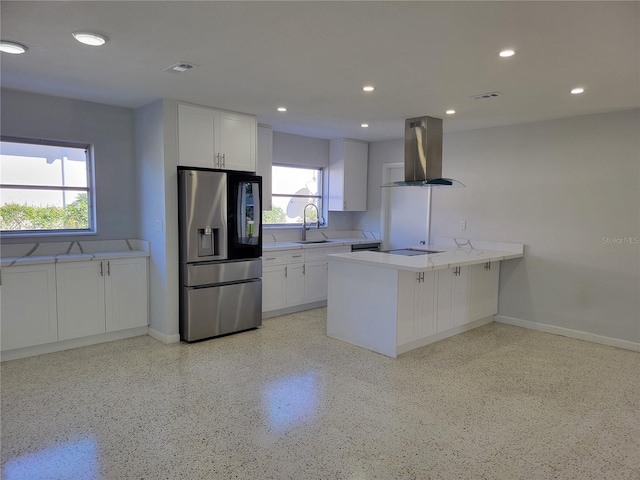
(295, 284)
(485, 282)
(126, 292)
(416, 306)
(28, 306)
(453, 298)
(101, 296)
(297, 277)
(274, 288)
(80, 288)
(315, 281)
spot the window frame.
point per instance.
(321, 196)
(90, 189)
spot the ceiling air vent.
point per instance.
(180, 67)
(483, 96)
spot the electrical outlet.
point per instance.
(365, 228)
(463, 225)
(158, 225)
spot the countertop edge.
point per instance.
(73, 257)
(370, 259)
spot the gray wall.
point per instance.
(303, 151)
(562, 188)
(109, 129)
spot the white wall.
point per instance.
(109, 129)
(156, 154)
(388, 151)
(559, 187)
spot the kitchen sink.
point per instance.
(312, 241)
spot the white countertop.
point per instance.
(451, 255)
(59, 252)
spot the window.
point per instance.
(292, 189)
(45, 187)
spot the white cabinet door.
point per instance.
(425, 305)
(315, 281)
(406, 330)
(453, 298)
(274, 288)
(416, 306)
(28, 306)
(295, 284)
(264, 163)
(237, 142)
(80, 298)
(348, 175)
(355, 176)
(198, 130)
(485, 280)
(126, 293)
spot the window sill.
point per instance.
(53, 234)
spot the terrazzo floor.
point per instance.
(287, 402)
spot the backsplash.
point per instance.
(277, 235)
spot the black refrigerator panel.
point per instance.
(244, 216)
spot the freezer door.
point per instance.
(200, 274)
(212, 311)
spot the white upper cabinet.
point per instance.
(264, 163)
(198, 130)
(212, 138)
(348, 175)
(238, 142)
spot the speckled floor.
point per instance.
(287, 402)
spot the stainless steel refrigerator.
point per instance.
(220, 233)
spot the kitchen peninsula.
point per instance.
(392, 303)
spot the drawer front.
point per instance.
(221, 272)
(273, 258)
(340, 249)
(295, 256)
(313, 254)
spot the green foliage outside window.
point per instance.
(24, 217)
(275, 215)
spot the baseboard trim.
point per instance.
(161, 337)
(406, 347)
(69, 344)
(294, 309)
(567, 332)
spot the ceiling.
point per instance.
(314, 58)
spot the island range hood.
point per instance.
(423, 155)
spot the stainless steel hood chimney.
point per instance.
(423, 155)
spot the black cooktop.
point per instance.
(409, 252)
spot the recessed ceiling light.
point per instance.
(507, 53)
(577, 90)
(450, 112)
(90, 38)
(12, 47)
(282, 109)
(365, 125)
(368, 88)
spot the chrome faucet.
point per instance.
(306, 227)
